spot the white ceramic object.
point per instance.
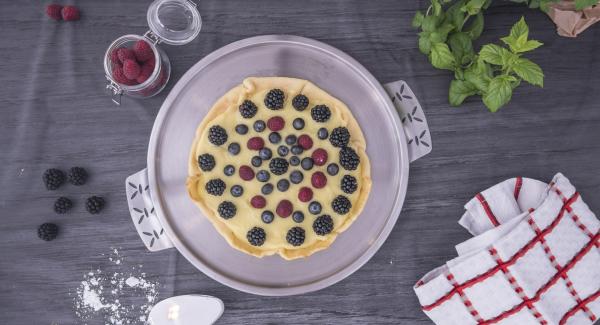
(186, 310)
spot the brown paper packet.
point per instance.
(570, 22)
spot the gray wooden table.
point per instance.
(54, 113)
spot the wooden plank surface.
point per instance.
(55, 113)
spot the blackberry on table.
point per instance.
(300, 102)
(278, 166)
(295, 236)
(256, 236)
(206, 162)
(323, 225)
(320, 113)
(77, 176)
(215, 187)
(248, 109)
(339, 137)
(349, 184)
(274, 99)
(47, 231)
(227, 210)
(62, 205)
(53, 178)
(94, 204)
(341, 204)
(217, 135)
(349, 159)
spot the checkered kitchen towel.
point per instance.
(535, 260)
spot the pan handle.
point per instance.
(413, 119)
(143, 214)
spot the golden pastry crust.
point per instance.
(225, 112)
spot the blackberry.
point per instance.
(234, 148)
(62, 205)
(77, 176)
(256, 236)
(278, 166)
(320, 113)
(227, 210)
(259, 126)
(267, 216)
(217, 135)
(349, 159)
(241, 129)
(300, 102)
(298, 216)
(94, 204)
(215, 187)
(274, 99)
(206, 162)
(339, 137)
(341, 204)
(298, 124)
(295, 236)
(267, 189)
(48, 231)
(237, 190)
(294, 160)
(248, 109)
(349, 184)
(53, 178)
(229, 170)
(323, 225)
(274, 137)
(322, 133)
(333, 169)
(283, 185)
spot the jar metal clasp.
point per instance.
(115, 91)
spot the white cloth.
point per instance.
(535, 259)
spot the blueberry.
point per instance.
(234, 148)
(263, 176)
(296, 177)
(267, 216)
(267, 189)
(290, 139)
(259, 126)
(241, 129)
(283, 151)
(265, 154)
(274, 137)
(322, 133)
(314, 207)
(283, 185)
(256, 161)
(298, 216)
(307, 163)
(297, 150)
(333, 169)
(294, 161)
(229, 170)
(237, 190)
(298, 124)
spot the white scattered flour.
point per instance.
(124, 296)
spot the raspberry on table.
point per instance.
(53, 11)
(70, 13)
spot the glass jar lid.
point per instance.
(175, 22)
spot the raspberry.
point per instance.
(145, 73)
(275, 123)
(70, 13)
(131, 69)
(305, 142)
(125, 54)
(246, 173)
(319, 157)
(318, 180)
(151, 62)
(53, 11)
(256, 143)
(284, 208)
(258, 202)
(142, 50)
(119, 77)
(305, 194)
(114, 57)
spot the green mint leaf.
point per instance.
(437, 7)
(473, 7)
(441, 33)
(418, 19)
(459, 91)
(498, 93)
(454, 16)
(494, 54)
(520, 28)
(461, 46)
(430, 23)
(582, 4)
(441, 57)
(478, 74)
(510, 41)
(529, 71)
(424, 43)
(476, 27)
(529, 46)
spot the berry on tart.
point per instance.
(349, 159)
(215, 187)
(274, 99)
(295, 236)
(246, 173)
(320, 113)
(300, 102)
(323, 225)
(217, 135)
(206, 162)
(339, 137)
(305, 141)
(255, 143)
(258, 202)
(256, 236)
(278, 166)
(319, 156)
(305, 194)
(248, 109)
(276, 123)
(318, 180)
(341, 205)
(227, 210)
(349, 184)
(284, 208)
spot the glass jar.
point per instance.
(174, 22)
